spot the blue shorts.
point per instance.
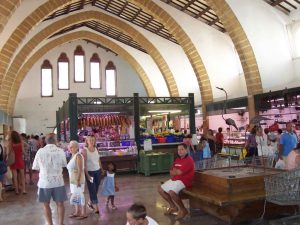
(58, 194)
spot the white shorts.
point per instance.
(171, 185)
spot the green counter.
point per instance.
(154, 162)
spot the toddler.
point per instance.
(109, 185)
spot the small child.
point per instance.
(137, 215)
(109, 184)
(205, 161)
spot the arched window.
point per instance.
(63, 72)
(46, 79)
(110, 79)
(95, 72)
(79, 65)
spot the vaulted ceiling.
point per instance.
(145, 14)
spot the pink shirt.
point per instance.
(291, 161)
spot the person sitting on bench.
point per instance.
(182, 173)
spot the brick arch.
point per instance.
(80, 17)
(241, 43)
(71, 37)
(6, 11)
(20, 33)
(187, 45)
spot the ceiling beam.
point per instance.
(135, 15)
(290, 4)
(123, 7)
(213, 21)
(202, 12)
(276, 2)
(188, 4)
(107, 5)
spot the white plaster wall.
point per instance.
(40, 112)
(217, 52)
(178, 63)
(145, 61)
(294, 34)
(266, 30)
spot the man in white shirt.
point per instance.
(50, 161)
(137, 215)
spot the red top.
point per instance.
(186, 165)
(19, 162)
(219, 138)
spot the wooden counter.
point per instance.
(233, 194)
(123, 162)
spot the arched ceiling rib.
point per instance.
(80, 17)
(242, 45)
(7, 8)
(71, 37)
(19, 34)
(183, 39)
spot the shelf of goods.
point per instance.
(123, 153)
(151, 162)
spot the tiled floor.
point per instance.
(24, 209)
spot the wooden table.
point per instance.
(233, 194)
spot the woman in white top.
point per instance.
(262, 142)
(76, 172)
(92, 171)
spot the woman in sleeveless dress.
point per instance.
(76, 172)
(17, 168)
(92, 171)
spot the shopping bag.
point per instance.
(280, 164)
(194, 139)
(8, 174)
(147, 145)
(243, 154)
(77, 198)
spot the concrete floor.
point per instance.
(24, 209)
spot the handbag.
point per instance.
(10, 158)
(74, 176)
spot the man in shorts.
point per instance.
(50, 161)
(182, 173)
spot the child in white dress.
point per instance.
(109, 185)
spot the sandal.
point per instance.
(73, 215)
(81, 217)
(171, 210)
(181, 215)
(90, 206)
(113, 207)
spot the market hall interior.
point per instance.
(164, 50)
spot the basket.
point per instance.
(283, 188)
